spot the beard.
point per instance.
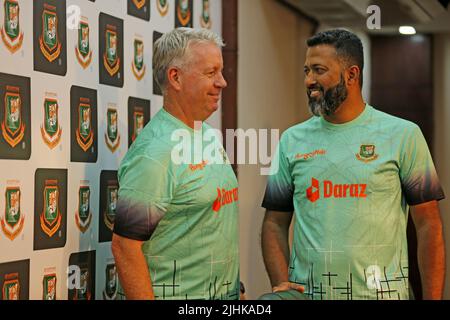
(328, 101)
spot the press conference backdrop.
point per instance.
(73, 97)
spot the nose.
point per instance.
(220, 81)
(310, 80)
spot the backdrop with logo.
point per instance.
(76, 88)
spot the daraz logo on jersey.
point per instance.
(224, 197)
(333, 190)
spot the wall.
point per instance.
(271, 94)
(442, 134)
(46, 245)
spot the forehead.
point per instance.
(322, 54)
(204, 53)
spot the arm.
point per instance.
(275, 249)
(430, 248)
(132, 268)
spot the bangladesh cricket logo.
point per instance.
(13, 128)
(111, 60)
(13, 220)
(51, 130)
(139, 3)
(183, 12)
(11, 287)
(112, 136)
(109, 215)
(82, 50)
(137, 65)
(163, 7)
(49, 287)
(110, 292)
(84, 132)
(138, 124)
(83, 215)
(205, 18)
(84, 292)
(48, 40)
(11, 35)
(51, 216)
(367, 153)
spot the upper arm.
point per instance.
(279, 219)
(426, 214)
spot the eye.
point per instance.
(319, 70)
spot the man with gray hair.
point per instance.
(176, 227)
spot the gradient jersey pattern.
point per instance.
(349, 187)
(186, 213)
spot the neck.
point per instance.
(350, 109)
(175, 108)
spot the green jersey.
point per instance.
(185, 211)
(350, 186)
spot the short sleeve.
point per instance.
(279, 190)
(146, 187)
(420, 182)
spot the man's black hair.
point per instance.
(348, 47)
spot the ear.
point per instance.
(173, 78)
(353, 75)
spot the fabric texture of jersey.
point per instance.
(186, 212)
(350, 186)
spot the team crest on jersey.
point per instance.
(139, 4)
(11, 287)
(51, 130)
(51, 216)
(138, 65)
(83, 215)
(163, 7)
(109, 215)
(11, 34)
(13, 128)
(49, 40)
(112, 136)
(205, 18)
(83, 51)
(183, 12)
(49, 286)
(111, 59)
(84, 292)
(13, 220)
(84, 133)
(138, 124)
(367, 153)
(110, 292)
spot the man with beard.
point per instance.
(350, 174)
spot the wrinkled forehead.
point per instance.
(322, 54)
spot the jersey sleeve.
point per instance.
(420, 182)
(280, 189)
(146, 187)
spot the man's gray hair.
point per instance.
(170, 49)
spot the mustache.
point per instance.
(314, 88)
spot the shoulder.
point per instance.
(300, 130)
(393, 123)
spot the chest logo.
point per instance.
(367, 153)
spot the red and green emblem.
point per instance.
(138, 124)
(51, 216)
(109, 215)
(163, 7)
(83, 215)
(13, 128)
(51, 130)
(183, 12)
(137, 65)
(111, 59)
(13, 220)
(48, 40)
(11, 287)
(205, 18)
(84, 133)
(49, 287)
(367, 153)
(11, 35)
(112, 136)
(139, 3)
(82, 50)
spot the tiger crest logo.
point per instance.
(11, 33)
